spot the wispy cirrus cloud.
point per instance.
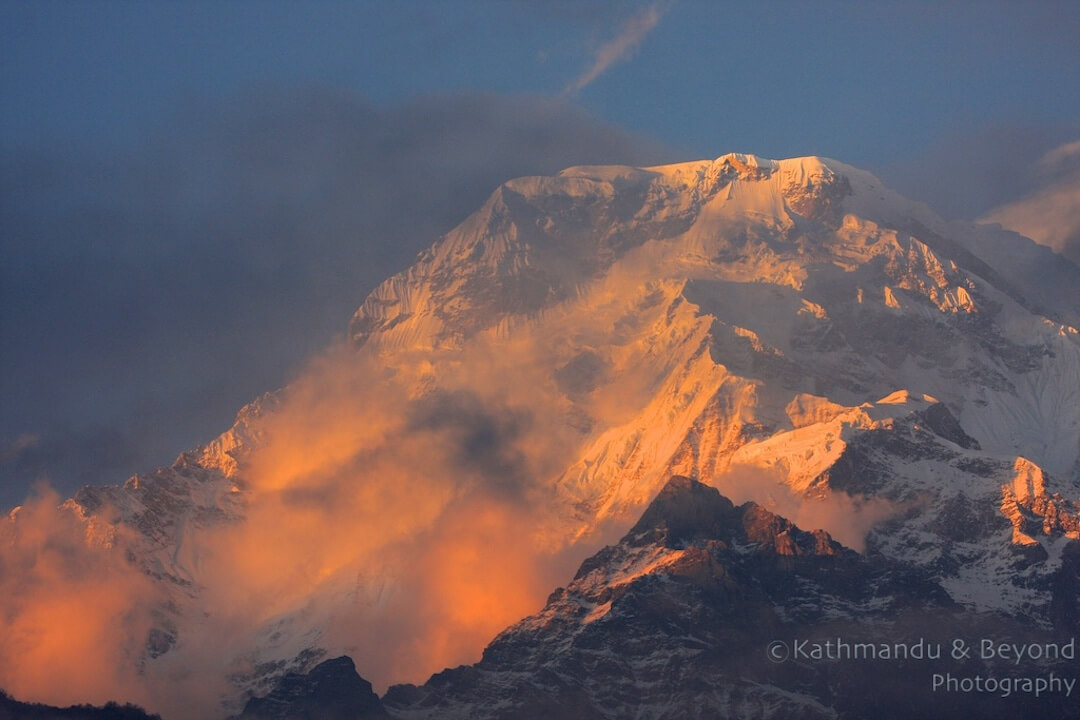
(632, 32)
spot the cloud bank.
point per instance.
(417, 526)
(74, 615)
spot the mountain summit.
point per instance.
(791, 332)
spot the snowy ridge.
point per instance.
(790, 319)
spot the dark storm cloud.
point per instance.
(145, 297)
(90, 451)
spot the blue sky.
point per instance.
(866, 82)
(194, 196)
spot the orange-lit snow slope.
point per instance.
(789, 331)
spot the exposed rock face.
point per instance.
(332, 690)
(697, 613)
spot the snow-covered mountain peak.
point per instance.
(788, 330)
(746, 160)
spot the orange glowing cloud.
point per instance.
(400, 511)
(415, 526)
(75, 615)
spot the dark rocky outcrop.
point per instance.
(678, 620)
(332, 690)
(12, 709)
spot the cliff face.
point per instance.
(330, 691)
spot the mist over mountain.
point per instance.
(266, 218)
(903, 388)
